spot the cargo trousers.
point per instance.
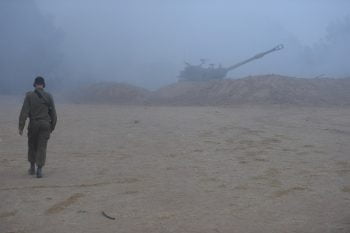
(38, 135)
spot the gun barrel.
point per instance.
(257, 56)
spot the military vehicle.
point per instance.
(202, 73)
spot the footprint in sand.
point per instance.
(343, 167)
(8, 214)
(172, 155)
(130, 192)
(60, 206)
(269, 177)
(261, 160)
(264, 143)
(285, 192)
(165, 215)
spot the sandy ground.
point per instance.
(180, 169)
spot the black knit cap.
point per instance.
(39, 81)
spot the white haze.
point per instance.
(146, 42)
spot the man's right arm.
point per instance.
(24, 114)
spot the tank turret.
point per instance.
(202, 73)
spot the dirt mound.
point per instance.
(110, 92)
(265, 89)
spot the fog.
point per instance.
(145, 43)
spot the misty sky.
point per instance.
(146, 42)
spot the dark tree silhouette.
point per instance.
(330, 55)
(29, 45)
(339, 31)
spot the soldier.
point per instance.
(39, 107)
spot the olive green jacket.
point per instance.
(38, 105)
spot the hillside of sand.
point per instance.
(264, 89)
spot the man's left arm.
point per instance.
(53, 114)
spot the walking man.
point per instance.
(39, 107)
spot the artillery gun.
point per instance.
(202, 73)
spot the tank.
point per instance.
(202, 72)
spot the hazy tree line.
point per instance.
(29, 44)
(330, 54)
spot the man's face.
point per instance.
(39, 86)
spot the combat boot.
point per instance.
(39, 172)
(31, 170)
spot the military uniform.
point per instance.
(39, 107)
